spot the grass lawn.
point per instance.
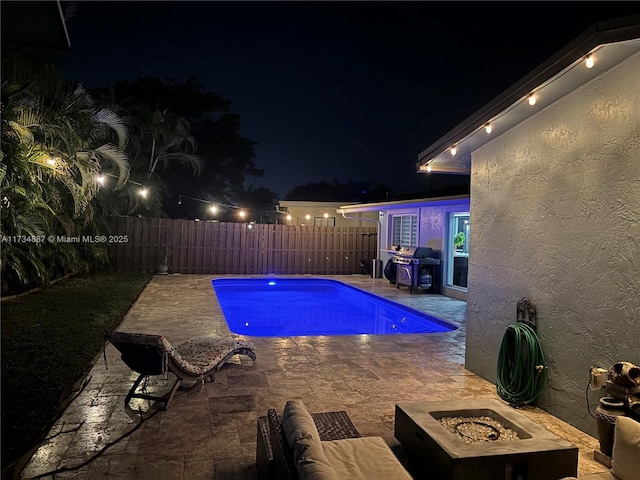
(49, 341)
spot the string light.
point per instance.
(307, 217)
(242, 213)
(289, 218)
(51, 161)
(588, 62)
(143, 191)
(326, 215)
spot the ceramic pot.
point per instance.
(606, 413)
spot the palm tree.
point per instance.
(55, 142)
(158, 139)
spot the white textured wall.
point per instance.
(555, 210)
(433, 231)
(433, 222)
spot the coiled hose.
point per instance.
(521, 366)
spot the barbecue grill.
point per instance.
(414, 267)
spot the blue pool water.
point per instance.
(273, 307)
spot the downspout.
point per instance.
(366, 220)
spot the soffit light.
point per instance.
(488, 128)
(454, 150)
(532, 99)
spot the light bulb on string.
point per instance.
(589, 62)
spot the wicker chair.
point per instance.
(195, 360)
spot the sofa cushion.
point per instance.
(298, 423)
(364, 458)
(625, 459)
(304, 439)
(311, 463)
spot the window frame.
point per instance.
(414, 228)
(324, 222)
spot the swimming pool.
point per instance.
(282, 307)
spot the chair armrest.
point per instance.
(283, 465)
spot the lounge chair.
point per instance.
(195, 360)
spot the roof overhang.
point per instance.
(608, 43)
(34, 25)
(403, 204)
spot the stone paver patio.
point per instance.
(212, 435)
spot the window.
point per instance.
(324, 222)
(458, 249)
(404, 230)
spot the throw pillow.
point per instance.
(625, 459)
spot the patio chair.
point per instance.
(195, 360)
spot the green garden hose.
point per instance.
(521, 366)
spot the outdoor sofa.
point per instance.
(300, 453)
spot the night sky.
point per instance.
(332, 90)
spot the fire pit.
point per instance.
(461, 440)
(478, 429)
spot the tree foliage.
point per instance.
(183, 139)
(55, 141)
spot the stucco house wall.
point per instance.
(555, 210)
(432, 216)
(433, 233)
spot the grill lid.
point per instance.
(414, 252)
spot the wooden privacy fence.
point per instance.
(239, 248)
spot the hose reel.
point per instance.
(521, 364)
